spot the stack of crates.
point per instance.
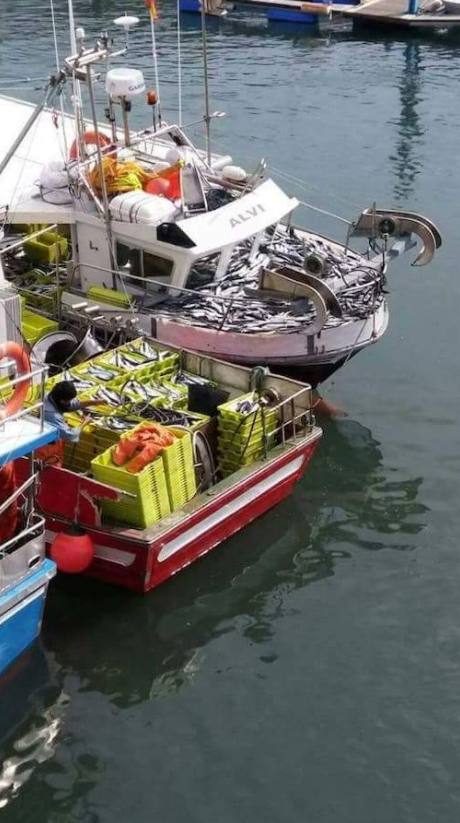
(150, 502)
(180, 469)
(163, 486)
(95, 438)
(241, 435)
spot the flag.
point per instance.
(151, 5)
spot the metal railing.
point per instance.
(34, 407)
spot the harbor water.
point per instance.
(308, 669)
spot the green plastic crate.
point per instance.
(250, 424)
(49, 247)
(180, 468)
(151, 501)
(34, 326)
(110, 296)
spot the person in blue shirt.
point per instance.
(61, 399)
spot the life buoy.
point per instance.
(15, 352)
(90, 138)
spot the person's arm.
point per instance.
(79, 405)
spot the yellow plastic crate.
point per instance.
(34, 326)
(180, 468)
(111, 296)
(252, 423)
(151, 501)
(49, 247)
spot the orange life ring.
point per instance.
(90, 138)
(15, 352)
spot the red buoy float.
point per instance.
(73, 552)
(90, 138)
(15, 352)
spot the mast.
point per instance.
(207, 116)
(73, 38)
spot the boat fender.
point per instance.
(72, 551)
(90, 138)
(15, 352)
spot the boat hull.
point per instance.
(21, 612)
(142, 560)
(317, 355)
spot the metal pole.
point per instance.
(73, 39)
(207, 117)
(105, 198)
(413, 7)
(155, 64)
(33, 117)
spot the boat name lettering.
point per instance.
(246, 215)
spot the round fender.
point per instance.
(15, 352)
(90, 138)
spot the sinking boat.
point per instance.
(189, 247)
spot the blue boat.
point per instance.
(24, 569)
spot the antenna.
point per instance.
(126, 22)
(207, 116)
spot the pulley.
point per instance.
(315, 263)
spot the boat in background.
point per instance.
(24, 569)
(195, 250)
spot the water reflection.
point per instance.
(406, 158)
(31, 714)
(134, 649)
(112, 648)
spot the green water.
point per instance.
(308, 669)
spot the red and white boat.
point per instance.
(142, 559)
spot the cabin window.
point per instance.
(143, 264)
(203, 271)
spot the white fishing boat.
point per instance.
(192, 249)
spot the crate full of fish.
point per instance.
(141, 357)
(142, 390)
(248, 416)
(96, 373)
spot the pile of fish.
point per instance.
(359, 287)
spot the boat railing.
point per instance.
(34, 408)
(34, 529)
(295, 415)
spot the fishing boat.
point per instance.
(196, 251)
(234, 442)
(24, 569)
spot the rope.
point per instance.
(179, 64)
(327, 213)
